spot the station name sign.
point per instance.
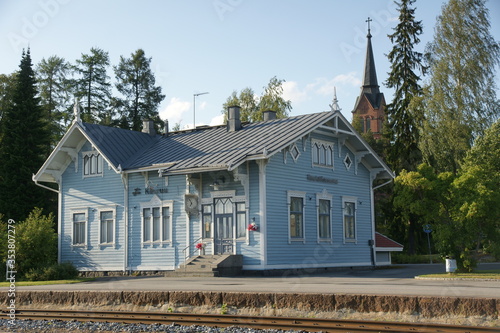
(322, 179)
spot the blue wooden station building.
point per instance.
(293, 193)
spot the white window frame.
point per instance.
(302, 195)
(324, 196)
(95, 158)
(155, 202)
(240, 200)
(354, 200)
(84, 211)
(323, 147)
(113, 225)
(204, 221)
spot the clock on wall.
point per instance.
(191, 203)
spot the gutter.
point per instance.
(43, 186)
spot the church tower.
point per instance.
(370, 105)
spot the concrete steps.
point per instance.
(209, 266)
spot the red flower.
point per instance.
(199, 246)
(253, 227)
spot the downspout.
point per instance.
(125, 214)
(372, 199)
(263, 211)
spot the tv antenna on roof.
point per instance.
(194, 107)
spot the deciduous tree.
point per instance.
(460, 98)
(252, 105)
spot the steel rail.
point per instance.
(285, 323)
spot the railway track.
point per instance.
(285, 323)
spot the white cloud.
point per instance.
(174, 110)
(325, 86)
(292, 92)
(217, 120)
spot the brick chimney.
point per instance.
(233, 119)
(148, 127)
(269, 115)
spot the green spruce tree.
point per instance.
(404, 119)
(24, 148)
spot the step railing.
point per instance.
(187, 251)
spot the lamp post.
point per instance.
(194, 107)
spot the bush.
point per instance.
(36, 244)
(63, 271)
(403, 258)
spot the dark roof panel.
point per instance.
(118, 145)
(215, 146)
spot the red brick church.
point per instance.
(370, 104)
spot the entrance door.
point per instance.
(224, 226)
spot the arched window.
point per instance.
(322, 153)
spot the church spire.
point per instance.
(370, 84)
(370, 105)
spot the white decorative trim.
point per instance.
(223, 194)
(322, 144)
(99, 158)
(348, 162)
(294, 152)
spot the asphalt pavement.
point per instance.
(399, 280)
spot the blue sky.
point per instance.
(218, 46)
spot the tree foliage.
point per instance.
(94, 87)
(404, 120)
(7, 84)
(460, 97)
(136, 82)
(24, 149)
(55, 94)
(36, 242)
(252, 105)
(463, 208)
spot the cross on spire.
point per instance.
(368, 21)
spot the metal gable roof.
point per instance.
(117, 144)
(215, 147)
(204, 148)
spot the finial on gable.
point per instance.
(76, 112)
(335, 102)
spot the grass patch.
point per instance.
(42, 283)
(482, 274)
